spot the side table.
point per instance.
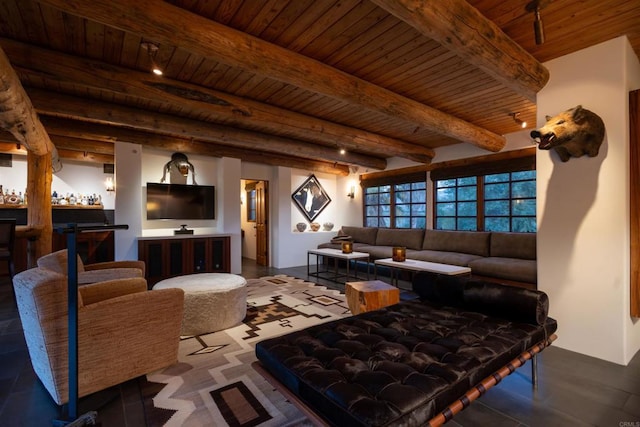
(370, 295)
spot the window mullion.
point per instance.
(480, 202)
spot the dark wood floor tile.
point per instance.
(481, 415)
(32, 408)
(529, 411)
(13, 363)
(632, 406)
(588, 390)
(12, 341)
(600, 371)
(587, 410)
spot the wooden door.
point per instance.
(634, 155)
(262, 222)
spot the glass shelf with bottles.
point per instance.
(13, 200)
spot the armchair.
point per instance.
(92, 273)
(124, 330)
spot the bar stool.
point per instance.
(7, 240)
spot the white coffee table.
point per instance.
(336, 255)
(417, 265)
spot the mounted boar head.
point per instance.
(572, 133)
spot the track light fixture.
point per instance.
(152, 50)
(517, 119)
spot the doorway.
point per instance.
(255, 220)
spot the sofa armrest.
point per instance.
(116, 264)
(101, 291)
(94, 276)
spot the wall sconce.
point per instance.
(352, 192)
(152, 50)
(109, 185)
(347, 247)
(399, 254)
(516, 119)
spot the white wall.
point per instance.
(128, 199)
(228, 206)
(583, 208)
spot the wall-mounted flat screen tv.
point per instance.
(179, 201)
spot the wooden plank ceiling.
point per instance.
(291, 82)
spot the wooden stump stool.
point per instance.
(370, 295)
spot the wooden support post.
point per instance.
(39, 176)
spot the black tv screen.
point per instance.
(179, 201)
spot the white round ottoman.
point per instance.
(212, 301)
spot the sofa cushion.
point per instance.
(361, 234)
(377, 252)
(520, 270)
(410, 238)
(513, 245)
(468, 242)
(443, 257)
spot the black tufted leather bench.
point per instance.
(414, 362)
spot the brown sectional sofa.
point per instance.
(506, 257)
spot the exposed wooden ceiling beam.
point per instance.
(163, 22)
(228, 109)
(462, 29)
(58, 127)
(58, 105)
(18, 116)
(67, 148)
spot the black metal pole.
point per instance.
(72, 291)
(72, 231)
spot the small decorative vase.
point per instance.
(327, 226)
(347, 247)
(301, 226)
(315, 226)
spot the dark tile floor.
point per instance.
(574, 390)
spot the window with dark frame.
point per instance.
(250, 189)
(396, 202)
(496, 196)
(251, 206)
(478, 194)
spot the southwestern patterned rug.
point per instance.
(213, 383)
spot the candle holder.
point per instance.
(399, 253)
(347, 247)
